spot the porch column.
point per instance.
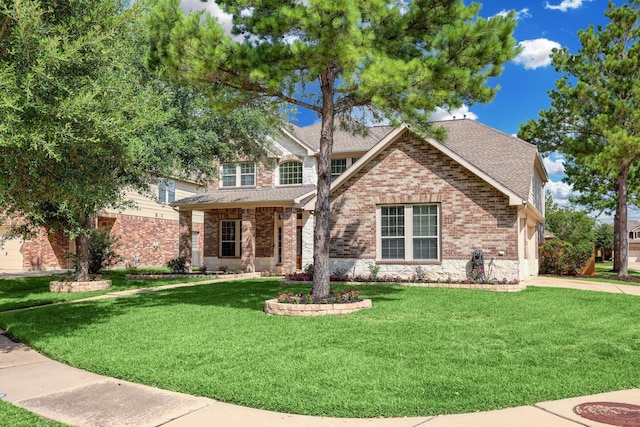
(210, 235)
(248, 240)
(185, 230)
(289, 241)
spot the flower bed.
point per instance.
(418, 279)
(67, 287)
(272, 306)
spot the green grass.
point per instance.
(11, 415)
(33, 291)
(418, 351)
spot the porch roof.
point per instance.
(253, 197)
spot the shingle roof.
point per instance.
(505, 158)
(343, 142)
(278, 195)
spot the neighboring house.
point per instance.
(634, 241)
(147, 236)
(398, 200)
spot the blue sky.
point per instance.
(525, 82)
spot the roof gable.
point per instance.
(505, 162)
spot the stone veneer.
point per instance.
(272, 306)
(454, 269)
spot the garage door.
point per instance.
(10, 253)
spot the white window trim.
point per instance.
(166, 187)
(239, 174)
(301, 174)
(238, 237)
(408, 239)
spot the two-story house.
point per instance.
(398, 200)
(147, 235)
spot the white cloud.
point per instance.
(440, 114)
(554, 165)
(560, 192)
(212, 8)
(520, 14)
(564, 5)
(535, 53)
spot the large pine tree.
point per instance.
(398, 59)
(594, 113)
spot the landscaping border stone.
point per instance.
(272, 306)
(67, 287)
(495, 287)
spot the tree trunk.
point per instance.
(82, 250)
(623, 250)
(322, 229)
(616, 241)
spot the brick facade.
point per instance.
(46, 251)
(149, 241)
(474, 215)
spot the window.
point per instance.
(340, 165)
(290, 173)
(409, 232)
(425, 232)
(242, 173)
(230, 238)
(392, 232)
(166, 190)
(337, 167)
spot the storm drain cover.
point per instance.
(617, 414)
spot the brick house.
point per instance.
(399, 201)
(148, 234)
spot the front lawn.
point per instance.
(23, 292)
(418, 351)
(17, 417)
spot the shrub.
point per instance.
(563, 258)
(178, 264)
(102, 250)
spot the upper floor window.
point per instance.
(166, 190)
(290, 173)
(409, 232)
(337, 167)
(239, 175)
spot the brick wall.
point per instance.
(474, 215)
(265, 223)
(138, 237)
(46, 251)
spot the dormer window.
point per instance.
(239, 175)
(290, 173)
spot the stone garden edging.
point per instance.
(495, 287)
(67, 287)
(272, 306)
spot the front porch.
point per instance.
(251, 239)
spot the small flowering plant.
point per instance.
(342, 297)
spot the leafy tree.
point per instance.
(604, 237)
(568, 223)
(81, 121)
(394, 60)
(593, 111)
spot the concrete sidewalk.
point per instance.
(584, 285)
(72, 396)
